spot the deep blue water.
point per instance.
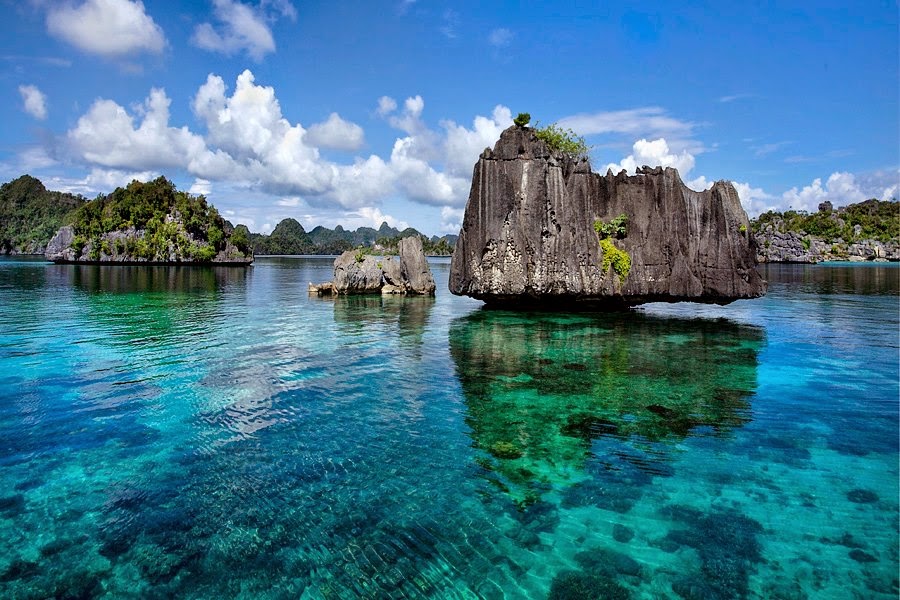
(217, 433)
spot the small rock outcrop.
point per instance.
(541, 228)
(358, 273)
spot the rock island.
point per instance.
(540, 228)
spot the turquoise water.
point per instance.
(213, 433)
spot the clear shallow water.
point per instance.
(209, 433)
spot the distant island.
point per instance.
(30, 215)
(149, 223)
(289, 237)
(866, 231)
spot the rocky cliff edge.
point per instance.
(541, 228)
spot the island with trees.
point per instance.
(149, 223)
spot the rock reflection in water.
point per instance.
(141, 279)
(408, 314)
(540, 388)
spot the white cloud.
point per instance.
(755, 200)
(110, 28)
(107, 136)
(249, 145)
(653, 153)
(34, 101)
(386, 105)
(337, 134)
(766, 149)
(500, 37)
(648, 122)
(463, 146)
(34, 158)
(98, 181)
(699, 184)
(241, 28)
(283, 7)
(451, 219)
(201, 186)
(734, 97)
(840, 189)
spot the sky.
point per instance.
(355, 113)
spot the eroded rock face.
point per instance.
(114, 249)
(355, 274)
(528, 234)
(414, 270)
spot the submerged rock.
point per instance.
(530, 234)
(356, 273)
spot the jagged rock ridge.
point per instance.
(528, 233)
(358, 273)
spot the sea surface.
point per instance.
(199, 432)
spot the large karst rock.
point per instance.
(528, 235)
(357, 273)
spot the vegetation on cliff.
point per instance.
(30, 214)
(558, 139)
(563, 141)
(156, 223)
(869, 220)
(613, 257)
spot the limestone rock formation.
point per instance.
(541, 228)
(355, 273)
(414, 270)
(117, 247)
(776, 245)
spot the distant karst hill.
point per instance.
(289, 237)
(30, 214)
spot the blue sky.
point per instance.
(356, 112)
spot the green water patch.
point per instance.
(541, 389)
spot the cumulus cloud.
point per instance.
(699, 183)
(654, 153)
(462, 146)
(840, 188)
(337, 134)
(245, 142)
(201, 186)
(110, 137)
(33, 101)
(110, 28)
(240, 28)
(755, 200)
(451, 219)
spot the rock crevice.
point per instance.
(529, 236)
